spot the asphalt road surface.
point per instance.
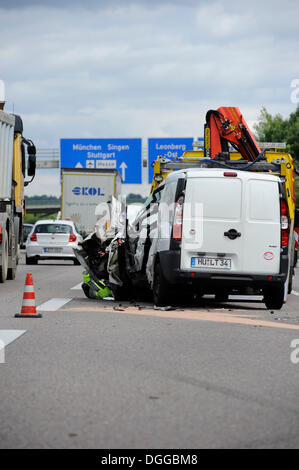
(93, 374)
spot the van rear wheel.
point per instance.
(274, 296)
(161, 289)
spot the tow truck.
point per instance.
(229, 144)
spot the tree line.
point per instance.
(44, 198)
(277, 129)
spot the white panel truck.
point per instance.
(12, 203)
(83, 190)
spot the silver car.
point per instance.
(52, 239)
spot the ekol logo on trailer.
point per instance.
(86, 191)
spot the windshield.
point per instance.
(53, 228)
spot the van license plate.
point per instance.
(52, 250)
(218, 263)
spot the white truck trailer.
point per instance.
(83, 190)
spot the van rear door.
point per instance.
(231, 222)
(262, 227)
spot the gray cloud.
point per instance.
(92, 4)
(139, 68)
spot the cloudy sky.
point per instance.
(105, 68)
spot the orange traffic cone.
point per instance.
(28, 305)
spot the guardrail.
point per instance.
(47, 158)
(42, 208)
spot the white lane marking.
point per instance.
(77, 287)
(8, 336)
(295, 293)
(52, 305)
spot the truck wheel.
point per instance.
(274, 297)
(161, 289)
(11, 273)
(221, 296)
(31, 260)
(290, 284)
(4, 263)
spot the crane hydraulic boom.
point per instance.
(227, 126)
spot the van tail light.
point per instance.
(178, 220)
(72, 238)
(284, 221)
(0, 234)
(33, 237)
(284, 237)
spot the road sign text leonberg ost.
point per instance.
(121, 154)
(169, 147)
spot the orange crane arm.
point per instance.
(226, 126)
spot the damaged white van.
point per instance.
(216, 231)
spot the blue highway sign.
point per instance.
(121, 154)
(166, 147)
